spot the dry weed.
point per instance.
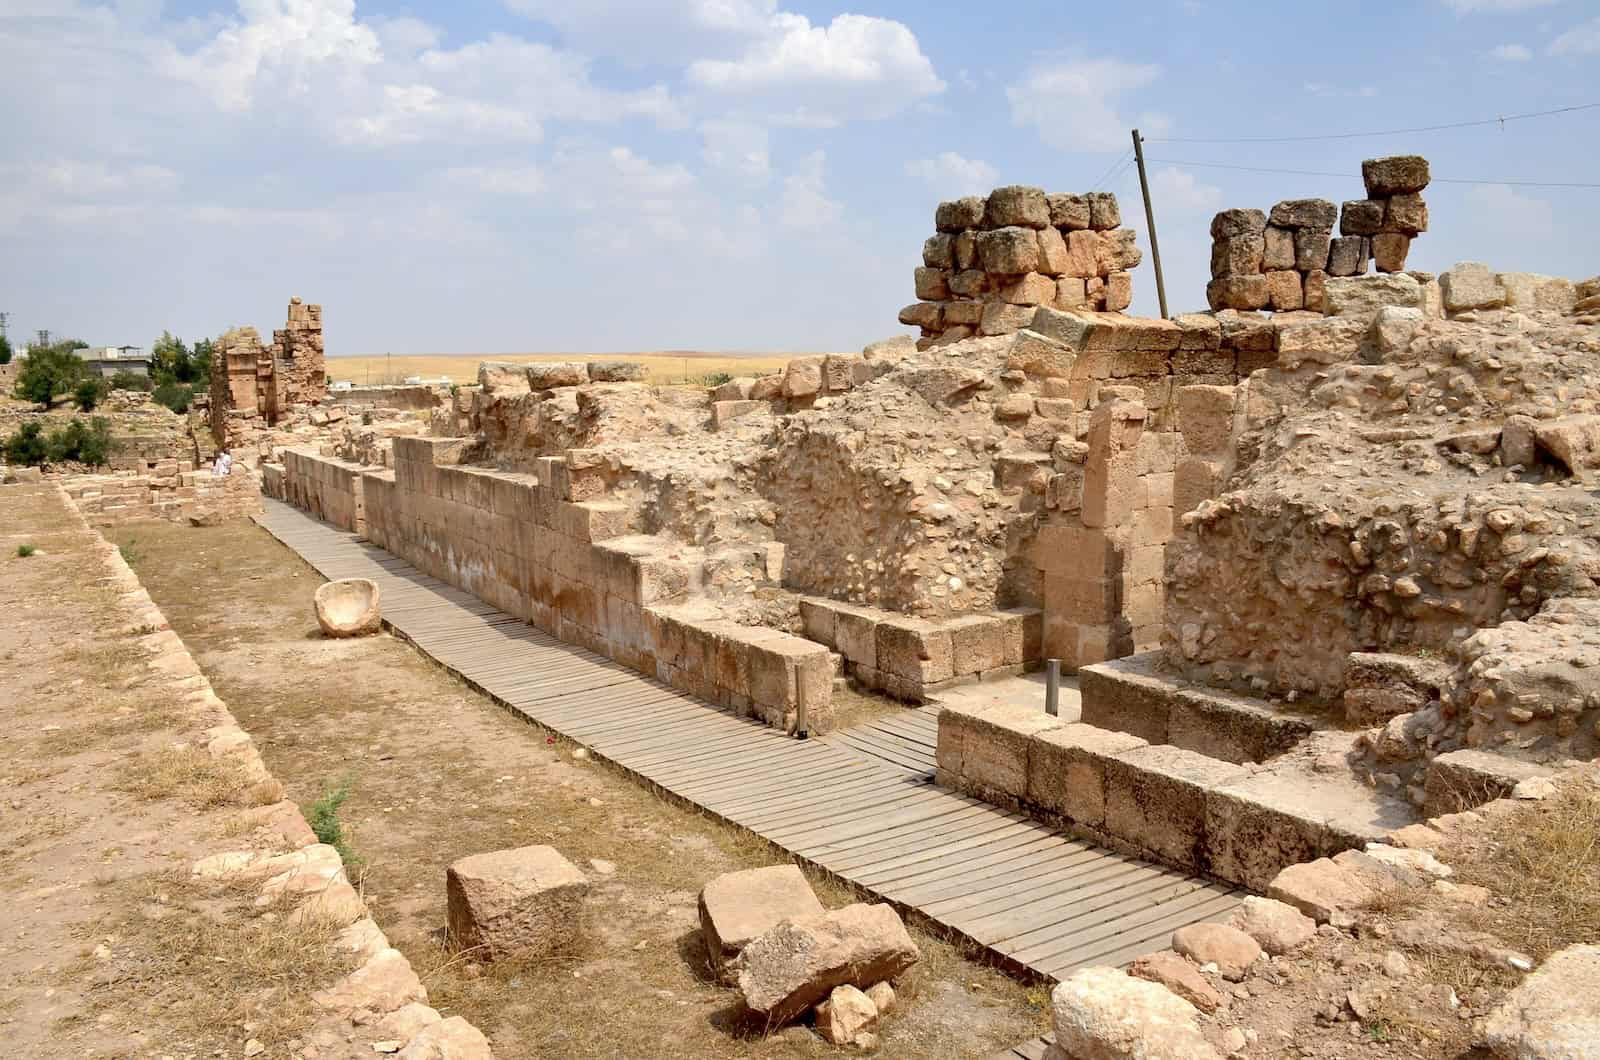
(203, 781)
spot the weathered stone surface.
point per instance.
(349, 607)
(1156, 796)
(939, 251)
(1178, 975)
(740, 906)
(1529, 290)
(1070, 212)
(969, 283)
(386, 982)
(1361, 217)
(616, 372)
(1009, 251)
(1406, 214)
(1327, 341)
(1551, 1015)
(1304, 213)
(526, 902)
(449, 1039)
(1277, 249)
(1231, 950)
(548, 375)
(1054, 259)
(846, 1015)
(1238, 292)
(1279, 928)
(1396, 175)
(500, 377)
(1118, 251)
(1002, 318)
(1284, 290)
(1105, 1014)
(1319, 889)
(1104, 213)
(798, 963)
(927, 315)
(1470, 285)
(1017, 204)
(932, 285)
(1362, 296)
(1031, 288)
(1119, 292)
(882, 997)
(1311, 248)
(1347, 256)
(1237, 255)
(1392, 328)
(1316, 288)
(956, 214)
(1067, 770)
(1229, 224)
(1389, 251)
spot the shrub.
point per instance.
(88, 394)
(126, 380)
(175, 396)
(323, 817)
(24, 551)
(716, 378)
(50, 371)
(5, 350)
(26, 447)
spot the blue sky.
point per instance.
(517, 175)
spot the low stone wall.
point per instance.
(911, 657)
(172, 490)
(392, 397)
(552, 549)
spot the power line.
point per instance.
(1381, 132)
(1111, 169)
(1320, 173)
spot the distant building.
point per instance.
(107, 361)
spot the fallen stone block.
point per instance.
(1106, 1014)
(1468, 778)
(1552, 1013)
(1231, 950)
(1179, 975)
(525, 902)
(1276, 926)
(349, 607)
(740, 906)
(1319, 889)
(795, 965)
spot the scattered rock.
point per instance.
(739, 906)
(796, 964)
(846, 1015)
(527, 901)
(1230, 949)
(1279, 928)
(1105, 1014)
(1552, 1014)
(1178, 975)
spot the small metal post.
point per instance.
(802, 722)
(1150, 219)
(1052, 687)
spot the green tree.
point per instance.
(5, 350)
(88, 393)
(170, 359)
(126, 380)
(176, 396)
(200, 362)
(50, 371)
(26, 447)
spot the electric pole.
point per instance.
(1150, 219)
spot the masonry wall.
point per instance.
(170, 489)
(553, 549)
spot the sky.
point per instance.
(626, 175)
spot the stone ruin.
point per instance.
(994, 259)
(1282, 260)
(256, 387)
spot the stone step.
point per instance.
(1136, 695)
(1242, 823)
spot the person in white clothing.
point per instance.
(224, 465)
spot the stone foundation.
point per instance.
(169, 489)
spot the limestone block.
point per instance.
(817, 619)
(1070, 293)
(500, 377)
(738, 907)
(1106, 1013)
(915, 649)
(1362, 296)
(726, 412)
(1277, 249)
(1276, 926)
(847, 1017)
(1021, 632)
(616, 372)
(1361, 217)
(548, 375)
(1389, 250)
(1347, 256)
(1179, 975)
(957, 214)
(1470, 285)
(1205, 418)
(524, 902)
(1067, 770)
(1551, 1013)
(1030, 289)
(1468, 778)
(1156, 798)
(856, 635)
(995, 745)
(802, 378)
(837, 372)
(969, 283)
(1284, 291)
(1039, 355)
(1304, 213)
(1528, 290)
(1053, 257)
(784, 670)
(1396, 175)
(1311, 246)
(1119, 292)
(976, 643)
(1118, 251)
(1009, 251)
(1406, 214)
(1104, 213)
(933, 285)
(1083, 254)
(1231, 950)
(1319, 889)
(939, 251)
(1327, 341)
(1068, 212)
(1238, 292)
(1001, 318)
(1237, 255)
(796, 964)
(1016, 204)
(967, 313)
(1230, 224)
(928, 315)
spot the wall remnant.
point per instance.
(255, 387)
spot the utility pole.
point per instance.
(44, 336)
(1150, 219)
(3, 318)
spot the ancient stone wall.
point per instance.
(994, 259)
(169, 489)
(256, 387)
(1282, 260)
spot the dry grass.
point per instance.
(852, 707)
(216, 968)
(1545, 861)
(662, 368)
(196, 777)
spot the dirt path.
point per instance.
(108, 947)
(436, 771)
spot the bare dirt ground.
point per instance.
(107, 946)
(436, 771)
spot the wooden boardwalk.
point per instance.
(859, 804)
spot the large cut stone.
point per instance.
(1009, 251)
(1363, 296)
(1470, 285)
(1361, 217)
(1070, 212)
(1396, 175)
(526, 902)
(798, 963)
(1106, 1014)
(740, 906)
(956, 214)
(500, 377)
(1319, 888)
(1017, 204)
(1552, 1013)
(549, 375)
(1304, 213)
(1228, 224)
(349, 607)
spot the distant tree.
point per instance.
(175, 396)
(126, 380)
(51, 371)
(26, 447)
(5, 350)
(200, 362)
(89, 392)
(170, 359)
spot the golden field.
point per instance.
(463, 367)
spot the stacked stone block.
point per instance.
(993, 260)
(172, 490)
(255, 386)
(556, 549)
(1282, 260)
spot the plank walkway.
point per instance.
(858, 804)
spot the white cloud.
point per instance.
(1468, 7)
(740, 148)
(950, 174)
(1327, 91)
(1511, 53)
(498, 180)
(1074, 104)
(1177, 190)
(796, 73)
(1582, 39)
(654, 31)
(804, 204)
